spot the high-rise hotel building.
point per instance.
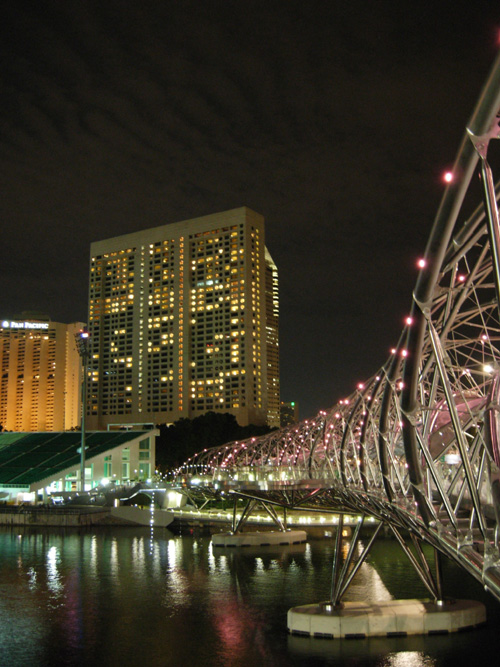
(183, 320)
(40, 375)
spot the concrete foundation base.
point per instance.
(391, 618)
(256, 539)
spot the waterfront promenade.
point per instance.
(314, 523)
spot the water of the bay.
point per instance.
(151, 598)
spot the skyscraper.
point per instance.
(183, 320)
(40, 375)
(289, 411)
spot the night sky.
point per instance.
(334, 120)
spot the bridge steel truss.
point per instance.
(418, 445)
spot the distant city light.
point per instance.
(421, 263)
(448, 176)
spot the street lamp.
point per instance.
(82, 339)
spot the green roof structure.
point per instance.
(29, 458)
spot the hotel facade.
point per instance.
(183, 320)
(40, 375)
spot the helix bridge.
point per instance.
(417, 445)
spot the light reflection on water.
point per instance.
(409, 659)
(53, 580)
(132, 597)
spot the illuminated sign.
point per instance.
(11, 324)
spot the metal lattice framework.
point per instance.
(417, 445)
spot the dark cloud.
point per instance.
(333, 120)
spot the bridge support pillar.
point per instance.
(392, 618)
(238, 538)
(389, 618)
(259, 539)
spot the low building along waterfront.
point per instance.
(35, 465)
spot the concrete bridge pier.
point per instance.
(336, 619)
(238, 538)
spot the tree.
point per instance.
(185, 437)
